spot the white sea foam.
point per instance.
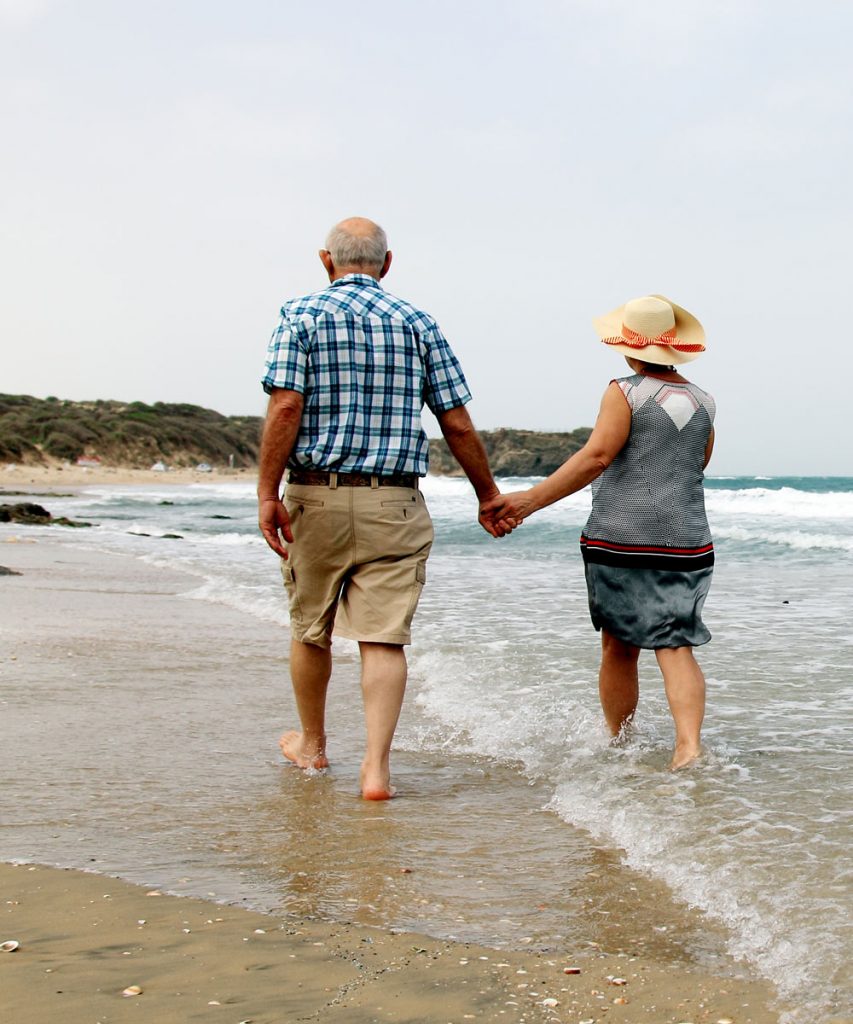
(800, 540)
(260, 602)
(785, 502)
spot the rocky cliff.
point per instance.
(514, 452)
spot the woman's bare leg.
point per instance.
(618, 682)
(685, 691)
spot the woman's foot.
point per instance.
(304, 753)
(683, 756)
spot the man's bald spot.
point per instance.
(358, 242)
(359, 227)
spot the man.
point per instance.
(348, 371)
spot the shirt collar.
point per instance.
(364, 279)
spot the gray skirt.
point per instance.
(649, 608)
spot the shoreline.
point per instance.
(84, 939)
(405, 977)
(20, 475)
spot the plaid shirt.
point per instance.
(365, 363)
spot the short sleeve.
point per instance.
(287, 358)
(445, 386)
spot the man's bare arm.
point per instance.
(467, 448)
(281, 428)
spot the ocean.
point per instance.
(519, 823)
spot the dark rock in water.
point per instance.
(219, 517)
(172, 536)
(63, 521)
(33, 494)
(8, 572)
(25, 512)
(136, 533)
(165, 503)
(30, 514)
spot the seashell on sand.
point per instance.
(132, 990)
(10, 946)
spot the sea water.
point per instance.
(502, 703)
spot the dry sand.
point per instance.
(59, 476)
(82, 943)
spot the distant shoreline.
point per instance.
(30, 476)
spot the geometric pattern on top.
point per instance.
(678, 403)
(648, 506)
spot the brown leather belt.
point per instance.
(320, 478)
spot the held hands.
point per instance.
(502, 514)
(275, 524)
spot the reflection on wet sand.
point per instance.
(466, 852)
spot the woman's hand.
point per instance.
(507, 511)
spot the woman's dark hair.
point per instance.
(656, 366)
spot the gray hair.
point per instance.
(356, 248)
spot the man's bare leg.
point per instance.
(685, 691)
(618, 682)
(310, 669)
(383, 684)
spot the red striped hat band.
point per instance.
(640, 341)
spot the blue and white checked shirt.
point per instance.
(365, 363)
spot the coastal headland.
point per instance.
(122, 442)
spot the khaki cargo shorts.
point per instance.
(357, 563)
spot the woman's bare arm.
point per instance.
(605, 442)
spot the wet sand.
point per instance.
(86, 939)
(81, 944)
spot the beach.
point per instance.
(94, 948)
(56, 476)
(144, 687)
(81, 944)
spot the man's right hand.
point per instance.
(275, 524)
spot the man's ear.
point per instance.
(386, 263)
(326, 260)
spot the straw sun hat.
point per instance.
(652, 329)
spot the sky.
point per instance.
(169, 170)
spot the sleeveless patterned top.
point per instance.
(648, 506)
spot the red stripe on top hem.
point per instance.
(645, 547)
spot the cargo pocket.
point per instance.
(289, 579)
(417, 588)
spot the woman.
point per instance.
(647, 550)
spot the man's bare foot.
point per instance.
(376, 785)
(303, 755)
(682, 757)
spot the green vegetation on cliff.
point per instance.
(124, 433)
(135, 435)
